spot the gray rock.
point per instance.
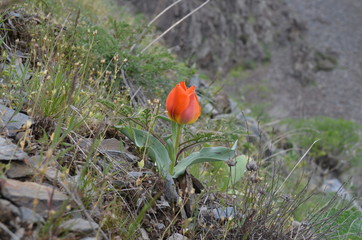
(196, 81)
(9, 219)
(29, 216)
(139, 174)
(223, 213)
(32, 165)
(207, 107)
(170, 189)
(111, 147)
(8, 210)
(79, 225)
(36, 161)
(129, 157)
(336, 186)
(144, 234)
(162, 204)
(52, 174)
(222, 102)
(10, 122)
(246, 30)
(111, 144)
(9, 151)
(21, 70)
(85, 144)
(29, 193)
(20, 233)
(19, 136)
(19, 170)
(220, 213)
(177, 236)
(160, 226)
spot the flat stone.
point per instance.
(111, 144)
(144, 234)
(9, 151)
(52, 174)
(223, 213)
(12, 123)
(177, 236)
(111, 147)
(35, 161)
(139, 174)
(160, 226)
(31, 166)
(27, 215)
(129, 157)
(27, 193)
(162, 203)
(79, 225)
(19, 170)
(20, 233)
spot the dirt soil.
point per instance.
(332, 27)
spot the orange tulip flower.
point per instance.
(182, 104)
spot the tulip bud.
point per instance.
(182, 104)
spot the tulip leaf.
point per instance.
(237, 171)
(155, 149)
(208, 154)
(162, 117)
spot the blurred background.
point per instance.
(284, 58)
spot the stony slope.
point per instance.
(314, 67)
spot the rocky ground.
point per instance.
(32, 189)
(331, 47)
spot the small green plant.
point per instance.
(337, 135)
(4, 167)
(349, 224)
(183, 108)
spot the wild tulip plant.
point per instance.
(182, 107)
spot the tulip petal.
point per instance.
(191, 90)
(192, 112)
(183, 85)
(182, 104)
(177, 101)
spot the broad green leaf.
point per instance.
(169, 147)
(237, 171)
(208, 154)
(155, 149)
(225, 175)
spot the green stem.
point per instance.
(176, 145)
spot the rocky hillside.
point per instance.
(223, 33)
(297, 59)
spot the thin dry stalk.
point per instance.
(7, 230)
(161, 13)
(174, 25)
(296, 165)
